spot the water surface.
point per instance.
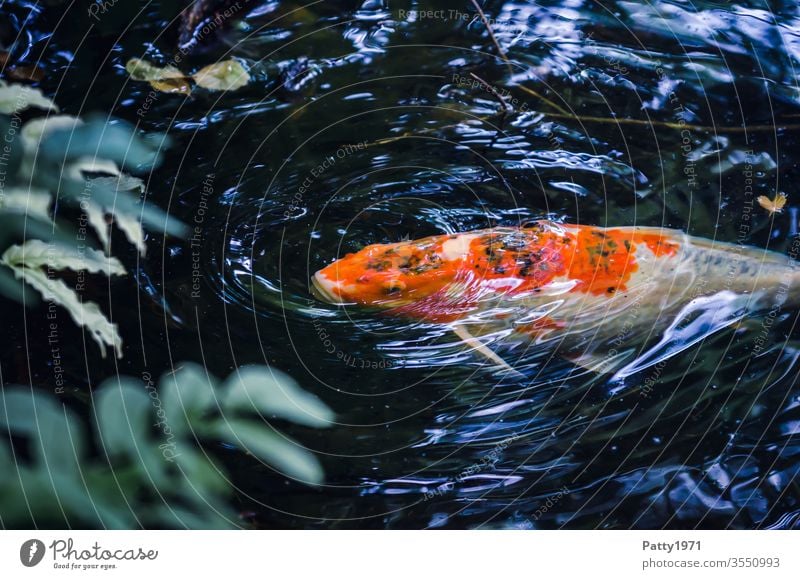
(365, 126)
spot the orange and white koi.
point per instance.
(579, 284)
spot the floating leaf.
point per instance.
(274, 393)
(167, 79)
(225, 75)
(172, 85)
(145, 70)
(16, 97)
(774, 205)
(23, 72)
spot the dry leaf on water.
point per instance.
(775, 205)
(25, 73)
(172, 85)
(144, 70)
(225, 75)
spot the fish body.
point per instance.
(578, 284)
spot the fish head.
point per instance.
(394, 275)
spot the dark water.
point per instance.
(358, 128)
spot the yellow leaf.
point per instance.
(773, 205)
(172, 85)
(144, 70)
(225, 75)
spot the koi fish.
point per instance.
(599, 292)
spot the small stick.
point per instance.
(492, 36)
(493, 92)
(508, 62)
(670, 125)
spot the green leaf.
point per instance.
(123, 202)
(14, 289)
(123, 416)
(15, 98)
(187, 394)
(35, 130)
(27, 202)
(86, 314)
(12, 150)
(124, 413)
(98, 138)
(203, 473)
(31, 261)
(35, 253)
(274, 394)
(128, 222)
(286, 455)
(55, 439)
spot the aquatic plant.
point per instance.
(151, 461)
(81, 163)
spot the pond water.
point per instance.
(364, 125)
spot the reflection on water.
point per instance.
(361, 128)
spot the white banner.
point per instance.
(400, 554)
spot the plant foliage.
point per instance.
(150, 462)
(79, 162)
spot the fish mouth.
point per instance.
(322, 289)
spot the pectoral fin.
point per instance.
(476, 345)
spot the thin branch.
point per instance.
(493, 91)
(671, 125)
(508, 62)
(492, 36)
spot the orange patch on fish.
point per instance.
(603, 260)
(659, 244)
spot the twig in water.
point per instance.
(493, 91)
(670, 125)
(508, 62)
(492, 36)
